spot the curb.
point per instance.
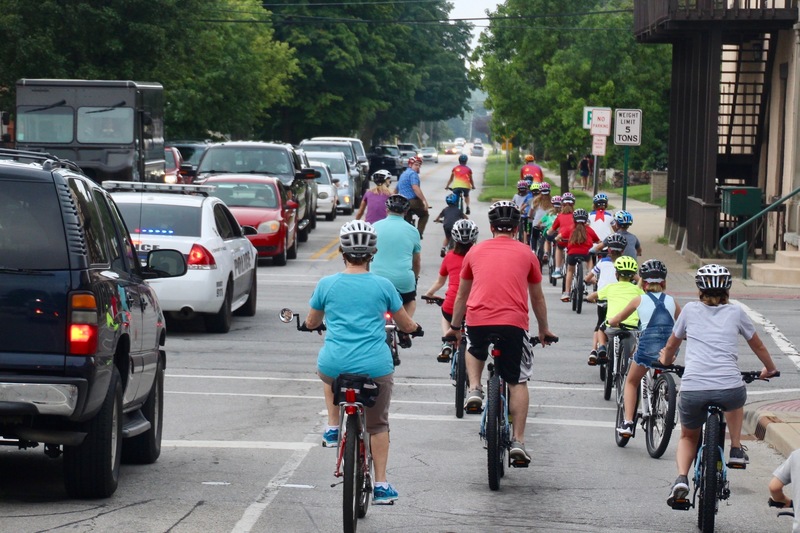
(782, 432)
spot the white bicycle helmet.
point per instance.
(382, 176)
(358, 239)
(464, 231)
(713, 277)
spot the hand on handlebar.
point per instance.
(303, 327)
(417, 332)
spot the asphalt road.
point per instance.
(244, 412)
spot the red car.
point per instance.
(261, 202)
(173, 161)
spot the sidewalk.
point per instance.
(775, 422)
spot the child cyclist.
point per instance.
(657, 314)
(617, 295)
(542, 205)
(622, 221)
(449, 216)
(603, 273)
(464, 234)
(711, 327)
(522, 200)
(562, 226)
(547, 223)
(579, 240)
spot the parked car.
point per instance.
(429, 153)
(328, 193)
(222, 262)
(172, 165)
(361, 156)
(340, 176)
(385, 157)
(407, 150)
(191, 152)
(81, 358)
(264, 204)
(356, 177)
(477, 150)
(265, 159)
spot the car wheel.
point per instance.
(291, 251)
(280, 259)
(145, 448)
(313, 219)
(348, 211)
(249, 307)
(331, 215)
(91, 469)
(302, 235)
(220, 322)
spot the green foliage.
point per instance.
(540, 77)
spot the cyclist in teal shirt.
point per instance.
(353, 303)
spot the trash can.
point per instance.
(741, 201)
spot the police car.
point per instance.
(222, 263)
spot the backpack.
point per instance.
(658, 330)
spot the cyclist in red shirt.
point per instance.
(531, 169)
(579, 241)
(461, 178)
(561, 228)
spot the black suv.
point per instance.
(81, 358)
(385, 157)
(271, 159)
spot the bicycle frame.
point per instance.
(347, 409)
(391, 338)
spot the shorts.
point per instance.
(462, 192)
(515, 362)
(408, 297)
(378, 414)
(448, 230)
(572, 259)
(602, 309)
(447, 316)
(693, 404)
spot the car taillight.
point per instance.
(82, 325)
(201, 259)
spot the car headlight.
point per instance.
(346, 199)
(170, 178)
(269, 227)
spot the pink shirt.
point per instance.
(376, 206)
(500, 269)
(451, 269)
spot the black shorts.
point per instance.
(447, 316)
(408, 297)
(462, 192)
(515, 362)
(602, 308)
(572, 259)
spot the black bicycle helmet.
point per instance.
(358, 239)
(504, 215)
(616, 242)
(653, 271)
(382, 176)
(398, 203)
(464, 231)
(580, 216)
(713, 277)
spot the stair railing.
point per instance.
(741, 248)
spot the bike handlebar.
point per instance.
(548, 338)
(438, 300)
(747, 376)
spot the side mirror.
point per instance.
(188, 169)
(249, 230)
(147, 119)
(306, 174)
(286, 315)
(335, 180)
(291, 204)
(362, 159)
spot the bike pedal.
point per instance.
(681, 505)
(737, 466)
(473, 410)
(520, 464)
(443, 358)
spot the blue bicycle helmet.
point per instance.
(452, 199)
(600, 198)
(623, 218)
(462, 159)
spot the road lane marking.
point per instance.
(242, 444)
(322, 251)
(539, 421)
(784, 345)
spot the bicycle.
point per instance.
(496, 423)
(458, 364)
(459, 192)
(710, 471)
(655, 410)
(391, 337)
(623, 344)
(354, 460)
(784, 509)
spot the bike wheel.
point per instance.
(620, 373)
(494, 441)
(364, 480)
(579, 285)
(710, 462)
(662, 416)
(351, 493)
(620, 440)
(461, 378)
(602, 371)
(609, 377)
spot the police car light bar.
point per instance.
(138, 186)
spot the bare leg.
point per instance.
(635, 374)
(570, 274)
(687, 449)
(333, 410)
(734, 419)
(410, 307)
(379, 446)
(474, 371)
(518, 407)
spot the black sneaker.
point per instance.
(592, 358)
(738, 458)
(602, 355)
(625, 429)
(680, 490)
(403, 339)
(468, 210)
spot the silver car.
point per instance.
(339, 170)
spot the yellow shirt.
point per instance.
(618, 295)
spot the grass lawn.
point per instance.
(642, 193)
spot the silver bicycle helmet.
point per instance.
(464, 231)
(504, 215)
(653, 271)
(358, 239)
(617, 242)
(713, 277)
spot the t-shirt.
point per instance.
(563, 225)
(604, 272)
(462, 177)
(618, 295)
(787, 473)
(376, 206)
(398, 241)
(348, 299)
(547, 220)
(600, 221)
(522, 201)
(583, 247)
(712, 339)
(532, 170)
(408, 178)
(449, 216)
(451, 269)
(631, 243)
(500, 269)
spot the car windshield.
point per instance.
(337, 164)
(169, 158)
(428, 150)
(246, 194)
(191, 154)
(161, 219)
(323, 178)
(246, 160)
(389, 150)
(343, 148)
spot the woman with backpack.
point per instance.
(657, 314)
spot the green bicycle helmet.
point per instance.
(626, 265)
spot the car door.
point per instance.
(239, 253)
